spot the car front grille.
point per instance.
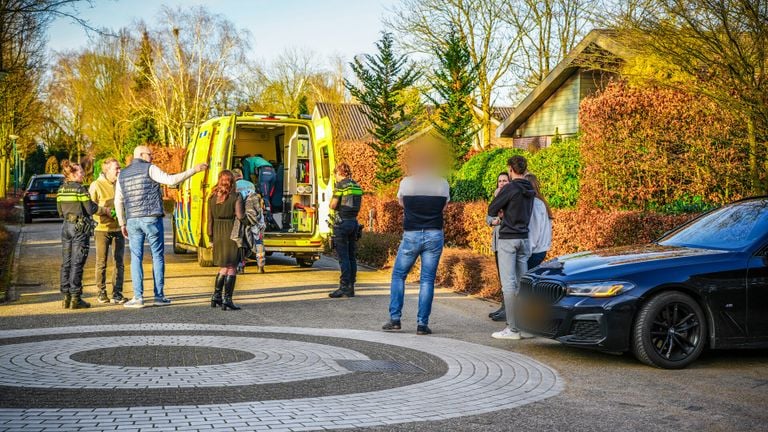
(550, 291)
(586, 330)
(546, 329)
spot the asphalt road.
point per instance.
(725, 390)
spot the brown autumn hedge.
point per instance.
(660, 149)
(573, 230)
(467, 264)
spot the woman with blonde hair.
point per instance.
(76, 208)
(224, 206)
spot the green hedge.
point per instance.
(556, 166)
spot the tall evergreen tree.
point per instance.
(303, 105)
(383, 77)
(454, 82)
(143, 129)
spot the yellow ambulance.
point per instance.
(301, 151)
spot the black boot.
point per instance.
(66, 300)
(78, 303)
(218, 287)
(343, 291)
(498, 311)
(229, 288)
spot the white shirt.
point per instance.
(156, 174)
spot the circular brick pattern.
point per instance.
(479, 379)
(48, 364)
(161, 356)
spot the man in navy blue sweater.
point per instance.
(423, 196)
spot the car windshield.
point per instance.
(732, 227)
(47, 184)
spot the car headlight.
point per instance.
(599, 289)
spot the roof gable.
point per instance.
(594, 45)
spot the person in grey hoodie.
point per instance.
(513, 247)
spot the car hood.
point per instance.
(625, 259)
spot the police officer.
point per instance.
(75, 206)
(347, 197)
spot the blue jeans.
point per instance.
(150, 228)
(428, 245)
(346, 247)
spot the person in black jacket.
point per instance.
(513, 248)
(75, 206)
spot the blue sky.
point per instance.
(327, 27)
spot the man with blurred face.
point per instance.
(107, 233)
(424, 194)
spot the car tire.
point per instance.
(305, 262)
(205, 257)
(670, 331)
(27, 216)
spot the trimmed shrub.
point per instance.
(362, 159)
(660, 149)
(573, 230)
(556, 166)
(377, 249)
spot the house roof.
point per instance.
(501, 112)
(593, 47)
(498, 113)
(349, 120)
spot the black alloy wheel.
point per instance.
(670, 331)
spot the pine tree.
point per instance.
(383, 77)
(454, 82)
(143, 129)
(303, 105)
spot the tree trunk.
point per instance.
(754, 172)
(485, 121)
(3, 176)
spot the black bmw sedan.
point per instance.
(702, 285)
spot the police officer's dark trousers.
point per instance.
(73, 256)
(346, 248)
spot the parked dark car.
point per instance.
(40, 196)
(704, 284)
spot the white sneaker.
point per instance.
(135, 303)
(525, 335)
(507, 333)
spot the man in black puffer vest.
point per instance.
(139, 205)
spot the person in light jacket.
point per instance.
(540, 227)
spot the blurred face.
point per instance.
(501, 181)
(111, 171)
(78, 174)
